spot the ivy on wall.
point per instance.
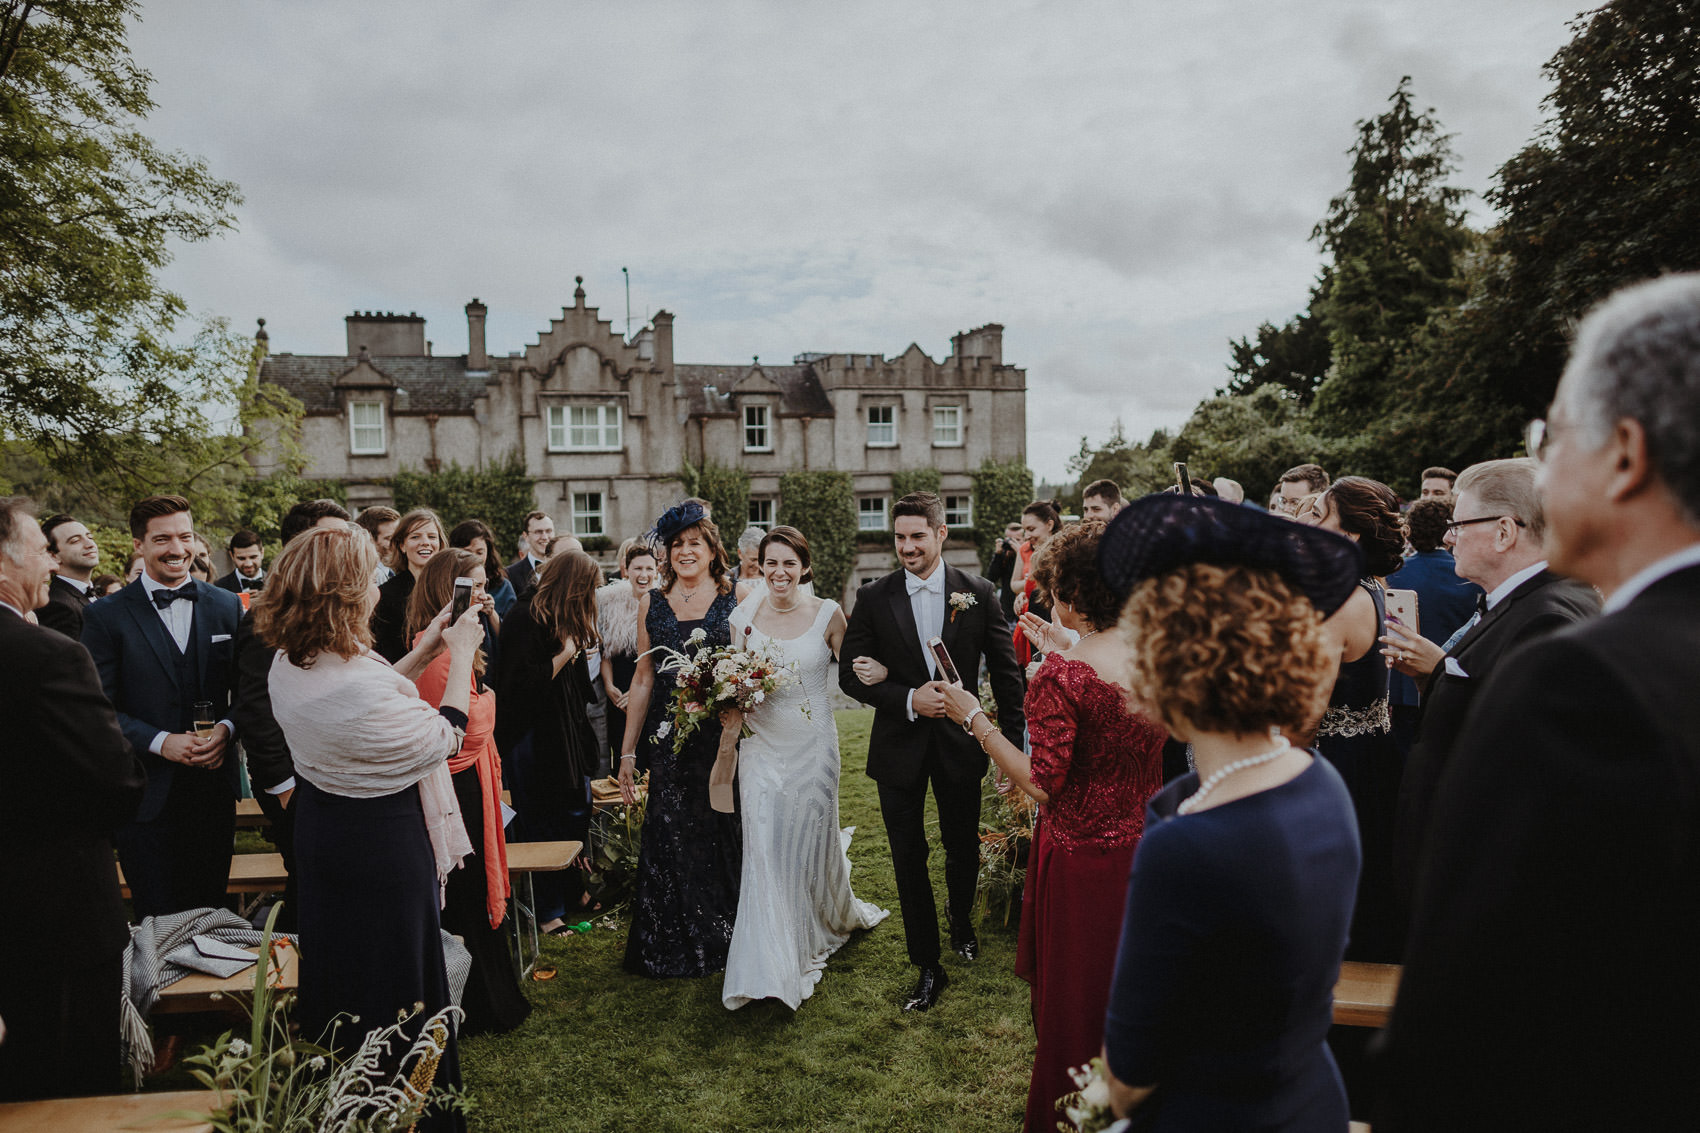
(500, 493)
(914, 480)
(822, 506)
(727, 491)
(1001, 490)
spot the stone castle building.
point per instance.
(604, 425)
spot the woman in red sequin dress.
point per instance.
(1094, 764)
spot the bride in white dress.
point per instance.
(795, 907)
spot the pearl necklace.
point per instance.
(1192, 801)
(778, 609)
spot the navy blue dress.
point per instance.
(1224, 987)
(1356, 736)
(692, 855)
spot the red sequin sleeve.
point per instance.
(1052, 724)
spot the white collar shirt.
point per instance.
(1503, 591)
(1646, 576)
(926, 601)
(81, 584)
(179, 617)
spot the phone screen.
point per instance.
(941, 655)
(463, 598)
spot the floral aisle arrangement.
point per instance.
(709, 680)
(1087, 1109)
(1006, 837)
(271, 1082)
(616, 833)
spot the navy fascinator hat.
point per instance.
(674, 520)
(1160, 533)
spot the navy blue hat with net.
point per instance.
(1160, 533)
(674, 520)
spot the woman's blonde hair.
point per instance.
(436, 589)
(1227, 649)
(316, 595)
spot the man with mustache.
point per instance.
(162, 644)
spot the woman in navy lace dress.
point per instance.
(688, 868)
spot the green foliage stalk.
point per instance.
(1001, 490)
(821, 506)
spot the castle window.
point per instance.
(587, 513)
(959, 511)
(761, 514)
(584, 428)
(366, 428)
(870, 513)
(947, 426)
(882, 426)
(757, 436)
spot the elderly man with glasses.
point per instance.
(1497, 537)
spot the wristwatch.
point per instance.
(968, 724)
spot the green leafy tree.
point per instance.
(265, 500)
(1294, 357)
(500, 493)
(727, 491)
(1251, 437)
(89, 207)
(822, 506)
(1394, 236)
(1001, 490)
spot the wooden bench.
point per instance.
(197, 992)
(525, 859)
(249, 814)
(104, 1114)
(1364, 994)
(249, 873)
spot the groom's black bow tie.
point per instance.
(164, 598)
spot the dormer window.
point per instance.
(366, 428)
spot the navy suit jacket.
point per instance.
(136, 660)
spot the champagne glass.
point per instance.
(205, 721)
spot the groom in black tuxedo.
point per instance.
(913, 743)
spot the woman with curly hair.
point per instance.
(1356, 732)
(1095, 763)
(1241, 889)
(687, 877)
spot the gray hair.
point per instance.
(15, 513)
(750, 540)
(1637, 355)
(1506, 487)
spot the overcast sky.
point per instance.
(1124, 185)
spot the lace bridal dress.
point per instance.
(794, 906)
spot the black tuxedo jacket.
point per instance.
(64, 609)
(67, 783)
(1550, 981)
(136, 660)
(267, 752)
(1542, 605)
(519, 572)
(233, 583)
(882, 626)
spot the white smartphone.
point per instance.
(1402, 604)
(941, 655)
(463, 597)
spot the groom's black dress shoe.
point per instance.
(968, 947)
(927, 989)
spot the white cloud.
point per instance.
(1125, 187)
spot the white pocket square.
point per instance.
(218, 637)
(1453, 668)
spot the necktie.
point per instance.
(1481, 604)
(164, 598)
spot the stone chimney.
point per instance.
(476, 359)
(663, 324)
(386, 333)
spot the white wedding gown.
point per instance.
(794, 902)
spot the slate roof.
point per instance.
(434, 384)
(801, 393)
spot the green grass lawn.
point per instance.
(604, 1050)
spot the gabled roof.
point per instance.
(800, 391)
(433, 384)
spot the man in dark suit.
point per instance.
(67, 782)
(1498, 537)
(75, 555)
(1550, 982)
(271, 768)
(1444, 600)
(162, 644)
(539, 531)
(247, 556)
(913, 742)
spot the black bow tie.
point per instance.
(164, 598)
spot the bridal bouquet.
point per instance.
(708, 680)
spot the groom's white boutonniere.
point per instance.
(961, 600)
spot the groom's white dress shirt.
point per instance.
(926, 602)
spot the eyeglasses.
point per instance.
(1454, 525)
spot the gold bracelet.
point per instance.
(981, 739)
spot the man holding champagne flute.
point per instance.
(164, 648)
